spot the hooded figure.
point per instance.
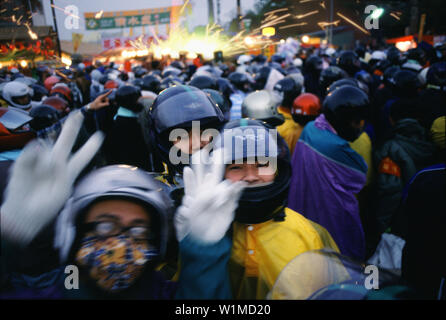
(327, 172)
(399, 158)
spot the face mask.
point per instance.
(114, 263)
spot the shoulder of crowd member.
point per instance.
(311, 232)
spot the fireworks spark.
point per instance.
(395, 16)
(293, 25)
(324, 24)
(61, 9)
(277, 10)
(181, 41)
(31, 33)
(353, 23)
(300, 16)
(99, 14)
(184, 6)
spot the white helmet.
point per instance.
(243, 59)
(14, 90)
(297, 62)
(378, 55)
(330, 51)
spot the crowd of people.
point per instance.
(133, 177)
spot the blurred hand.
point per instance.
(101, 101)
(42, 179)
(209, 202)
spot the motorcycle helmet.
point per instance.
(349, 62)
(17, 94)
(261, 105)
(127, 97)
(343, 107)
(306, 108)
(115, 181)
(289, 90)
(151, 83)
(258, 204)
(177, 107)
(44, 116)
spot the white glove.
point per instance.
(42, 179)
(209, 204)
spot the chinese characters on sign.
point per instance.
(128, 19)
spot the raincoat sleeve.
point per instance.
(204, 270)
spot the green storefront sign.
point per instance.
(127, 21)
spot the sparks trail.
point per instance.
(353, 23)
(293, 25)
(64, 11)
(300, 16)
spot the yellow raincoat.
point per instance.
(290, 131)
(363, 146)
(261, 251)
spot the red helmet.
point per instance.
(62, 91)
(111, 84)
(50, 82)
(306, 104)
(57, 103)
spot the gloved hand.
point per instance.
(42, 179)
(209, 204)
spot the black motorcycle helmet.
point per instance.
(394, 56)
(38, 92)
(169, 82)
(277, 58)
(225, 88)
(417, 54)
(203, 82)
(436, 76)
(151, 83)
(127, 97)
(177, 107)
(263, 203)
(260, 59)
(406, 84)
(330, 75)
(343, 107)
(177, 64)
(349, 62)
(44, 116)
(290, 89)
(170, 72)
(278, 67)
(239, 80)
(388, 75)
(140, 72)
(313, 64)
(222, 102)
(261, 77)
(342, 82)
(364, 78)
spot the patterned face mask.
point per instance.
(114, 262)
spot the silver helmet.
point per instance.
(112, 181)
(262, 105)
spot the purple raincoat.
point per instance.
(327, 174)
